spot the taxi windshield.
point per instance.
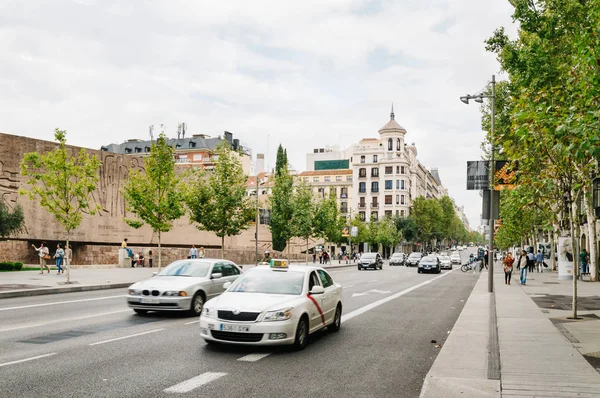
(187, 268)
(269, 282)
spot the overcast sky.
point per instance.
(301, 73)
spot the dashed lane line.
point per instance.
(127, 337)
(254, 357)
(60, 302)
(27, 359)
(194, 383)
(62, 320)
(377, 303)
(192, 322)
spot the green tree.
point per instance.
(428, 215)
(217, 201)
(327, 221)
(304, 212)
(388, 234)
(407, 226)
(62, 183)
(11, 222)
(448, 221)
(153, 195)
(281, 203)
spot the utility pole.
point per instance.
(492, 191)
(257, 221)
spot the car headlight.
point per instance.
(208, 312)
(175, 293)
(279, 315)
(133, 292)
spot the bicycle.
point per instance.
(472, 265)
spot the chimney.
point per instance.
(260, 163)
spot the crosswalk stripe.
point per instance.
(254, 357)
(194, 382)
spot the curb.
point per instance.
(65, 289)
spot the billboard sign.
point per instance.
(478, 175)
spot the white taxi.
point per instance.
(276, 304)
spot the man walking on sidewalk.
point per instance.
(508, 267)
(522, 263)
(539, 261)
(583, 257)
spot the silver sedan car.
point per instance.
(184, 285)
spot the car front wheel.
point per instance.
(337, 320)
(197, 304)
(301, 334)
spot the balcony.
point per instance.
(362, 176)
(374, 176)
(374, 205)
(362, 205)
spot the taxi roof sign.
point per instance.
(279, 264)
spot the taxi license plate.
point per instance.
(235, 328)
(149, 301)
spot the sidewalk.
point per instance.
(538, 347)
(32, 283)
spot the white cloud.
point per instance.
(301, 73)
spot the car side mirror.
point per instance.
(226, 285)
(216, 275)
(317, 290)
(154, 273)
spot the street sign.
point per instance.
(354, 232)
(346, 232)
(478, 175)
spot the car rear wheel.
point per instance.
(140, 312)
(337, 320)
(197, 304)
(301, 334)
(359, 268)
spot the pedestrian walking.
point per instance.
(193, 252)
(539, 261)
(314, 257)
(150, 258)
(508, 267)
(141, 259)
(201, 252)
(522, 264)
(59, 255)
(44, 255)
(136, 260)
(320, 257)
(583, 258)
(486, 259)
(530, 261)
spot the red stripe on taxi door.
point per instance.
(318, 308)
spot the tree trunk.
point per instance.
(574, 245)
(159, 249)
(591, 226)
(66, 260)
(553, 245)
(222, 247)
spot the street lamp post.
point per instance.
(257, 221)
(479, 98)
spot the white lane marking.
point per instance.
(194, 382)
(254, 357)
(127, 337)
(27, 359)
(371, 291)
(189, 323)
(62, 320)
(347, 287)
(377, 303)
(61, 302)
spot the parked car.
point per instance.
(455, 258)
(445, 262)
(429, 264)
(397, 259)
(274, 305)
(370, 260)
(413, 259)
(184, 285)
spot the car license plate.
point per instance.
(235, 328)
(149, 301)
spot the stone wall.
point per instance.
(14, 250)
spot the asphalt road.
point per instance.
(90, 344)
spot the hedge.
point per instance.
(11, 266)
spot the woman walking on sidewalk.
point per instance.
(508, 267)
(59, 255)
(522, 264)
(44, 255)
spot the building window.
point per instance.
(390, 144)
(362, 172)
(397, 184)
(264, 216)
(333, 191)
(389, 169)
(362, 202)
(374, 158)
(374, 172)
(388, 199)
(402, 200)
(344, 208)
(344, 193)
(362, 159)
(306, 179)
(397, 169)
(388, 213)
(402, 186)
(397, 199)
(362, 187)
(338, 178)
(374, 216)
(348, 178)
(374, 202)
(402, 170)
(402, 213)
(397, 212)
(327, 178)
(375, 186)
(389, 184)
(361, 214)
(398, 144)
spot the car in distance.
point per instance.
(184, 285)
(370, 260)
(397, 259)
(279, 304)
(455, 258)
(413, 259)
(429, 264)
(445, 262)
